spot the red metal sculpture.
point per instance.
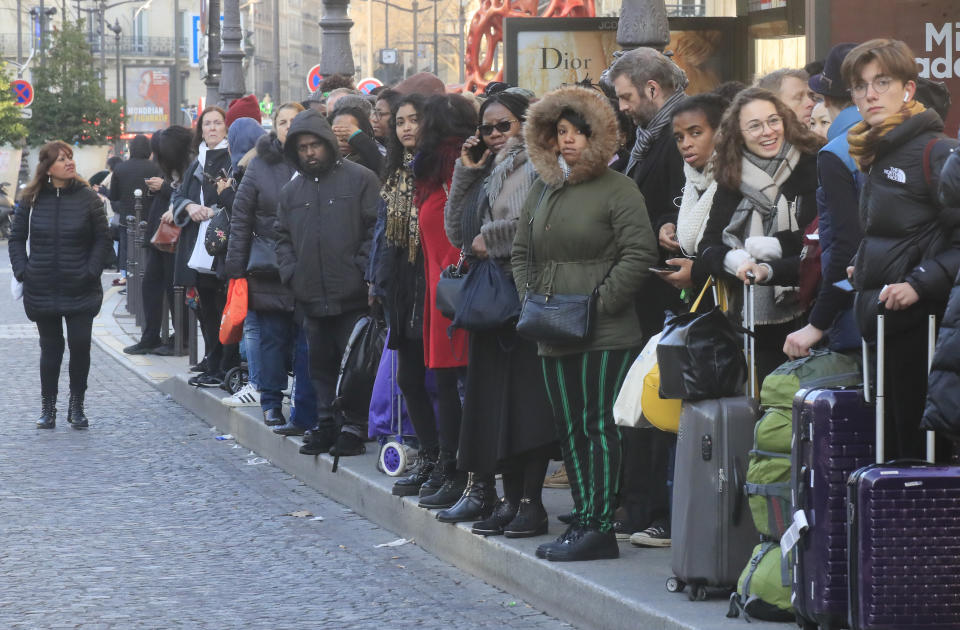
(486, 32)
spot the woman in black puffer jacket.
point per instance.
(269, 327)
(910, 252)
(66, 228)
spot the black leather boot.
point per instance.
(318, 440)
(75, 415)
(477, 502)
(48, 413)
(502, 515)
(454, 483)
(585, 544)
(531, 520)
(422, 469)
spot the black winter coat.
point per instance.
(127, 177)
(68, 236)
(325, 226)
(943, 392)
(187, 193)
(255, 212)
(908, 236)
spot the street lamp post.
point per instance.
(436, 40)
(336, 56)
(213, 52)
(231, 55)
(116, 33)
(643, 23)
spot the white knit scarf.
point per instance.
(695, 206)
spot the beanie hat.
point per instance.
(246, 107)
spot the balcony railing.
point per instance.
(687, 9)
(138, 46)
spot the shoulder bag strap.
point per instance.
(533, 215)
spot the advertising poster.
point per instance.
(545, 53)
(147, 98)
(930, 28)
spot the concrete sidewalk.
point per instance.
(628, 593)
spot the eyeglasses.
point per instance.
(503, 127)
(377, 114)
(755, 127)
(880, 85)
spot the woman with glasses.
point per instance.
(507, 422)
(910, 252)
(766, 170)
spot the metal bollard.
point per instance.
(132, 292)
(179, 317)
(141, 269)
(165, 321)
(192, 332)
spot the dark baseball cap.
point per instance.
(830, 82)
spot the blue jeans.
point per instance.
(304, 409)
(276, 343)
(251, 347)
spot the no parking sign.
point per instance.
(22, 92)
(314, 78)
(368, 85)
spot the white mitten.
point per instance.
(764, 247)
(735, 258)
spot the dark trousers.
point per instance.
(276, 343)
(157, 282)
(304, 409)
(79, 334)
(122, 248)
(436, 434)
(213, 297)
(647, 476)
(582, 389)
(327, 339)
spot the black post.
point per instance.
(436, 40)
(141, 257)
(165, 321)
(116, 32)
(179, 322)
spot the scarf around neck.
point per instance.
(698, 191)
(648, 134)
(864, 139)
(403, 225)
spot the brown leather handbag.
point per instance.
(166, 237)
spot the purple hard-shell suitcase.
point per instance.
(833, 433)
(903, 526)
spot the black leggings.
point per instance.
(79, 334)
(443, 436)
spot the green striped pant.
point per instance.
(582, 389)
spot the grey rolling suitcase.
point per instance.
(711, 528)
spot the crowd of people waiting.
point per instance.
(631, 191)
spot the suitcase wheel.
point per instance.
(235, 379)
(698, 593)
(675, 585)
(393, 459)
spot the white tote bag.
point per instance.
(627, 411)
(200, 260)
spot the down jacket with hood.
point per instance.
(591, 228)
(908, 236)
(69, 239)
(255, 212)
(324, 226)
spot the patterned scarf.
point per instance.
(403, 225)
(647, 135)
(865, 139)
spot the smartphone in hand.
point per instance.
(666, 269)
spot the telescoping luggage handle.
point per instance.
(749, 338)
(881, 381)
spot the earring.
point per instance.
(906, 96)
(49, 179)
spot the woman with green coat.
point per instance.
(584, 227)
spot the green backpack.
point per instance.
(768, 469)
(763, 590)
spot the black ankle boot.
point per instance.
(410, 485)
(478, 501)
(585, 544)
(48, 413)
(502, 515)
(531, 520)
(75, 415)
(454, 483)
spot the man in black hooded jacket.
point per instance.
(325, 220)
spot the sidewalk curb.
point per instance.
(509, 565)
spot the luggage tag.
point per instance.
(792, 536)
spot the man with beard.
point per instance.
(648, 87)
(325, 219)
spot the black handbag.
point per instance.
(450, 289)
(263, 257)
(554, 318)
(488, 298)
(218, 231)
(358, 367)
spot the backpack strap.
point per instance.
(927, 169)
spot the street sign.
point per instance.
(26, 112)
(367, 85)
(22, 92)
(314, 78)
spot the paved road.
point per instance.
(147, 521)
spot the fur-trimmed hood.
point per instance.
(269, 149)
(540, 134)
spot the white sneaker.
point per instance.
(248, 396)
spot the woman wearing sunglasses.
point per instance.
(766, 169)
(507, 422)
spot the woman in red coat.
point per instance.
(447, 121)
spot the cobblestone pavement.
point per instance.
(147, 521)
